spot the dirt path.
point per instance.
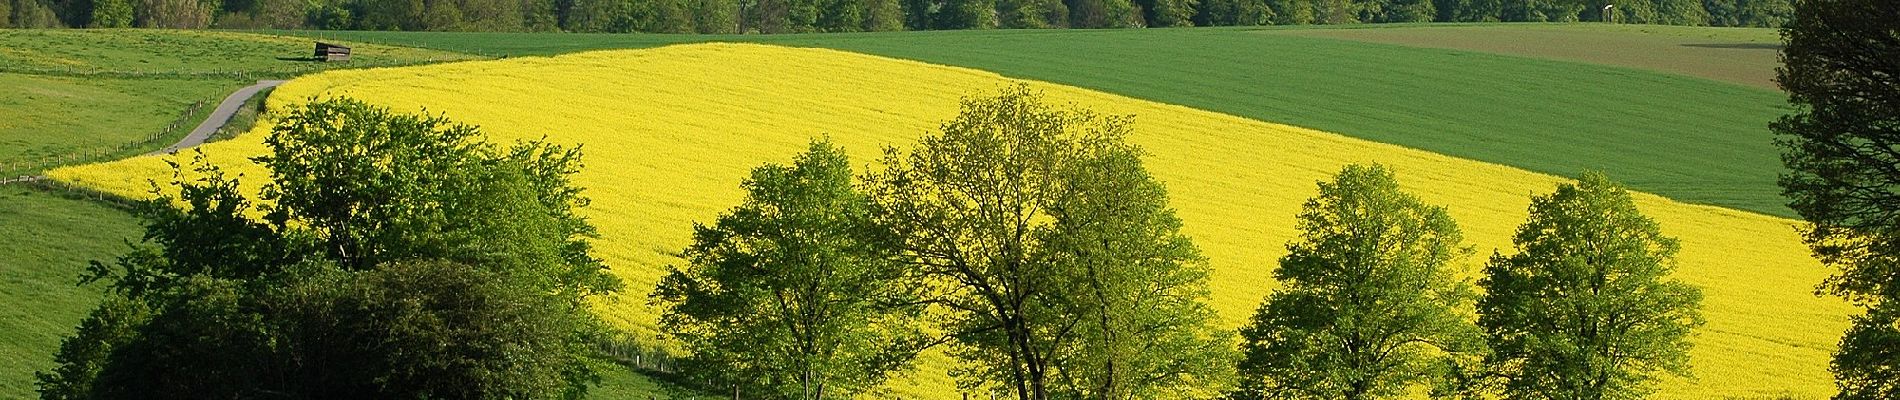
(219, 116)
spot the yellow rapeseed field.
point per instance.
(670, 132)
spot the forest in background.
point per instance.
(801, 16)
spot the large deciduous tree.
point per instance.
(795, 292)
(1057, 256)
(399, 257)
(1371, 301)
(1842, 149)
(1584, 309)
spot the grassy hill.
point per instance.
(48, 240)
(1688, 138)
(663, 153)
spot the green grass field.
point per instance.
(1688, 138)
(48, 240)
(53, 116)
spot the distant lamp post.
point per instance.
(1609, 14)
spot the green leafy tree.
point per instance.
(1370, 304)
(1765, 13)
(1723, 12)
(1838, 145)
(715, 16)
(1059, 265)
(1335, 12)
(1399, 11)
(464, 273)
(1470, 10)
(883, 15)
(1585, 310)
(965, 14)
(1681, 12)
(1291, 12)
(111, 14)
(1233, 12)
(425, 329)
(795, 289)
(1102, 14)
(1167, 13)
(172, 14)
(1031, 14)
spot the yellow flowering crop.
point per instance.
(670, 132)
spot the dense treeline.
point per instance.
(792, 16)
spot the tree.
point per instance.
(1681, 12)
(1102, 14)
(1838, 145)
(425, 329)
(1291, 12)
(1722, 12)
(172, 14)
(1396, 11)
(883, 15)
(1167, 13)
(964, 14)
(1233, 12)
(795, 289)
(111, 14)
(1370, 303)
(715, 16)
(1584, 310)
(398, 256)
(1059, 265)
(1765, 13)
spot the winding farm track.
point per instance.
(219, 116)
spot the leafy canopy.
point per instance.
(1370, 305)
(1842, 75)
(1053, 253)
(398, 257)
(795, 292)
(1584, 310)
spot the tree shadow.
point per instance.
(1742, 46)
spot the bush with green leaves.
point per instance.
(396, 256)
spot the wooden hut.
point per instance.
(331, 52)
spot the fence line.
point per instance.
(73, 191)
(185, 120)
(638, 356)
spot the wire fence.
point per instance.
(23, 165)
(638, 356)
(73, 191)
